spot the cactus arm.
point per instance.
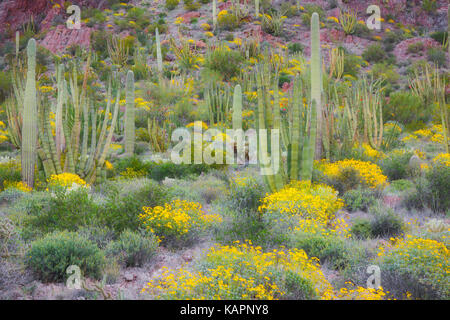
(237, 108)
(129, 114)
(316, 78)
(308, 149)
(158, 52)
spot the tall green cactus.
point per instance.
(129, 114)
(158, 52)
(257, 8)
(17, 45)
(237, 108)
(316, 78)
(29, 126)
(214, 13)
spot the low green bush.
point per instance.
(330, 250)
(359, 199)
(437, 56)
(431, 190)
(385, 223)
(396, 165)
(374, 53)
(124, 201)
(361, 229)
(133, 249)
(50, 256)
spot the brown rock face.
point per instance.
(14, 13)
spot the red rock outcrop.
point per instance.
(58, 39)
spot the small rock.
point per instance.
(129, 276)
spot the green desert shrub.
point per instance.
(133, 249)
(385, 223)
(407, 109)
(330, 250)
(44, 212)
(431, 190)
(437, 56)
(223, 61)
(396, 164)
(416, 268)
(374, 53)
(125, 199)
(352, 65)
(361, 229)
(205, 189)
(416, 47)
(401, 185)
(245, 194)
(309, 10)
(172, 4)
(9, 172)
(359, 199)
(440, 36)
(50, 256)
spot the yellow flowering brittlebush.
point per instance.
(19, 185)
(176, 219)
(306, 200)
(370, 174)
(243, 271)
(65, 180)
(427, 260)
(359, 293)
(442, 159)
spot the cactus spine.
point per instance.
(158, 52)
(29, 126)
(237, 108)
(129, 114)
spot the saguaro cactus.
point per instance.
(129, 114)
(237, 108)
(29, 126)
(316, 78)
(158, 51)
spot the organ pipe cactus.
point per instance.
(237, 108)
(29, 125)
(129, 114)
(298, 132)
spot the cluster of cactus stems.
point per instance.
(218, 102)
(354, 116)
(76, 120)
(298, 132)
